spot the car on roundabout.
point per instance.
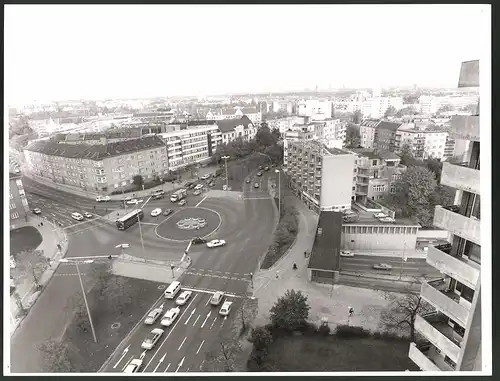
(155, 212)
(198, 241)
(102, 198)
(153, 315)
(152, 338)
(133, 201)
(169, 318)
(37, 211)
(216, 243)
(197, 192)
(168, 212)
(346, 253)
(382, 266)
(182, 203)
(183, 298)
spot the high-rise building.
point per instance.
(453, 330)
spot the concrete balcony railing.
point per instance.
(465, 127)
(437, 294)
(465, 227)
(421, 360)
(466, 272)
(439, 333)
(461, 177)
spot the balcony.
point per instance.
(435, 328)
(465, 127)
(437, 293)
(465, 227)
(466, 272)
(461, 177)
(421, 360)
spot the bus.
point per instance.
(178, 195)
(129, 219)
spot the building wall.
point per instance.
(379, 237)
(18, 203)
(336, 182)
(367, 136)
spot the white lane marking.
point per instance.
(170, 332)
(180, 364)
(189, 317)
(198, 351)
(223, 320)
(187, 370)
(168, 366)
(196, 321)
(143, 205)
(208, 291)
(180, 346)
(121, 358)
(215, 318)
(208, 315)
(159, 362)
(201, 365)
(208, 301)
(203, 199)
(127, 362)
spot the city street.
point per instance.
(248, 234)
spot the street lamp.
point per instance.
(88, 261)
(279, 192)
(140, 233)
(225, 162)
(403, 259)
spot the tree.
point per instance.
(290, 311)
(406, 111)
(357, 116)
(138, 180)
(264, 137)
(353, 137)
(276, 133)
(391, 111)
(472, 108)
(402, 312)
(56, 356)
(261, 339)
(223, 357)
(434, 165)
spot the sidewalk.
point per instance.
(51, 236)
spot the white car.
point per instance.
(88, 215)
(198, 187)
(153, 315)
(152, 338)
(382, 266)
(156, 212)
(182, 203)
(102, 198)
(170, 316)
(205, 177)
(183, 298)
(134, 201)
(77, 216)
(217, 298)
(380, 215)
(37, 211)
(226, 308)
(346, 253)
(197, 192)
(386, 219)
(216, 243)
(134, 365)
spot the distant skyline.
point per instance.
(128, 51)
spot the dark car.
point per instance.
(261, 167)
(157, 196)
(198, 241)
(259, 174)
(168, 212)
(211, 184)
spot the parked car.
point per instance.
(77, 216)
(153, 315)
(182, 203)
(155, 212)
(152, 338)
(266, 168)
(248, 181)
(261, 167)
(346, 253)
(167, 212)
(102, 198)
(183, 298)
(216, 243)
(198, 240)
(259, 174)
(387, 219)
(382, 266)
(37, 211)
(226, 308)
(216, 298)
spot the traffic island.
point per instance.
(189, 223)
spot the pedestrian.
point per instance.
(277, 274)
(41, 223)
(351, 311)
(305, 254)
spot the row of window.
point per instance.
(375, 229)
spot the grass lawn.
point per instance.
(128, 301)
(319, 353)
(24, 239)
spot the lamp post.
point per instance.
(403, 259)
(279, 192)
(83, 290)
(140, 233)
(225, 162)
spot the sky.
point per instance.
(58, 52)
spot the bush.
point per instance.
(384, 335)
(324, 329)
(347, 332)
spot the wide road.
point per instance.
(248, 234)
(412, 267)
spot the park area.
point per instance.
(26, 238)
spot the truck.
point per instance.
(178, 195)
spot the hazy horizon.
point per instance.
(95, 52)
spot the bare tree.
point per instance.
(223, 357)
(56, 356)
(402, 312)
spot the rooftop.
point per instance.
(94, 152)
(319, 148)
(375, 154)
(229, 125)
(370, 123)
(392, 126)
(325, 253)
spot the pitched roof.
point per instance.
(392, 126)
(248, 110)
(370, 123)
(229, 125)
(325, 253)
(95, 152)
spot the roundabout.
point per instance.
(189, 223)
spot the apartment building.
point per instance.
(316, 109)
(236, 113)
(377, 172)
(192, 145)
(232, 129)
(322, 177)
(283, 106)
(453, 330)
(100, 167)
(424, 142)
(367, 130)
(287, 123)
(385, 135)
(18, 203)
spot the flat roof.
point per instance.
(325, 253)
(367, 218)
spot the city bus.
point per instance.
(129, 219)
